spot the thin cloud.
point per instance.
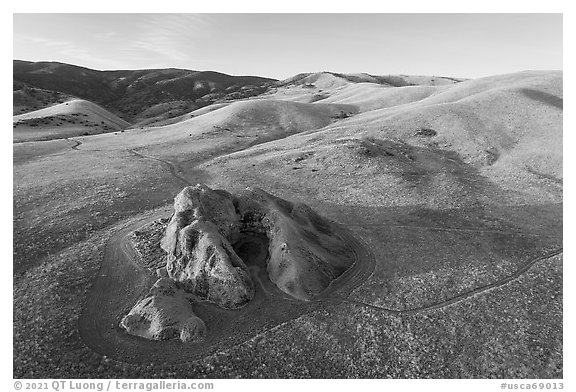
(65, 50)
(172, 36)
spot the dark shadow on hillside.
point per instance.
(455, 249)
(543, 97)
(428, 256)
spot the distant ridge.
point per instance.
(388, 80)
(128, 93)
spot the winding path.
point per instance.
(172, 167)
(453, 229)
(461, 297)
(174, 170)
(76, 144)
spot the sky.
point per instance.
(283, 45)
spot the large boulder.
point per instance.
(207, 266)
(201, 203)
(200, 255)
(165, 313)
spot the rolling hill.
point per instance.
(72, 118)
(130, 94)
(160, 96)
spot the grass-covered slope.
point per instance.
(72, 118)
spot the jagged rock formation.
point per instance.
(165, 313)
(200, 256)
(306, 255)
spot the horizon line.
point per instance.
(274, 78)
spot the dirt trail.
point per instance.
(76, 144)
(118, 284)
(461, 297)
(174, 169)
(453, 229)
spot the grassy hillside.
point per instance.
(71, 118)
(128, 93)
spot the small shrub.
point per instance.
(427, 132)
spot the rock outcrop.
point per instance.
(306, 254)
(200, 255)
(306, 251)
(165, 313)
